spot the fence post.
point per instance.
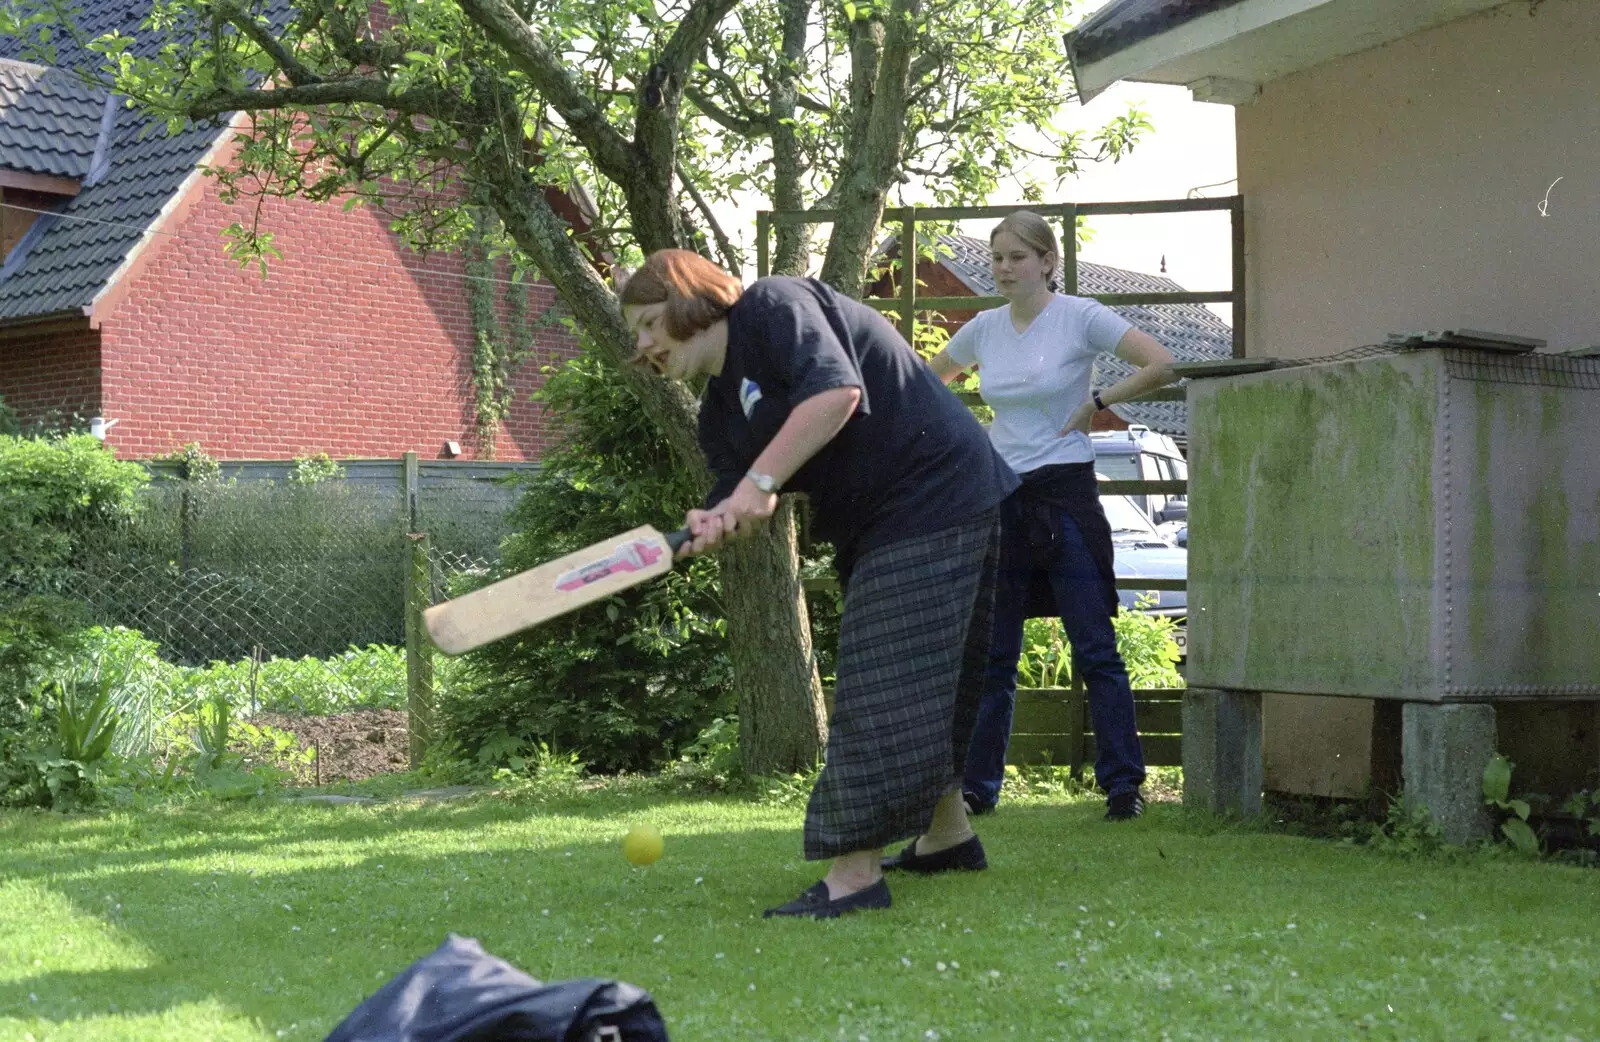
(1069, 251)
(419, 649)
(908, 276)
(1078, 710)
(413, 502)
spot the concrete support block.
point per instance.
(1222, 751)
(1444, 749)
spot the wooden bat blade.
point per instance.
(539, 594)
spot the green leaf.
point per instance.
(1520, 835)
(849, 11)
(1497, 780)
(1520, 807)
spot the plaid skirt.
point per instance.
(913, 644)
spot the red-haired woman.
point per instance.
(811, 391)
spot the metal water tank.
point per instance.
(1423, 525)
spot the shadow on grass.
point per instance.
(311, 907)
(122, 839)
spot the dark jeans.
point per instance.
(1081, 598)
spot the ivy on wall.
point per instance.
(496, 351)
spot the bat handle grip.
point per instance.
(675, 540)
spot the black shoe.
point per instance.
(813, 902)
(974, 805)
(1124, 806)
(963, 857)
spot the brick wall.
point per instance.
(47, 374)
(352, 345)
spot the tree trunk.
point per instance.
(782, 722)
(794, 240)
(879, 79)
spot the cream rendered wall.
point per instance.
(1400, 188)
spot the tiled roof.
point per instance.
(1192, 332)
(49, 121)
(67, 260)
(1123, 23)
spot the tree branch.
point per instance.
(925, 64)
(810, 104)
(722, 117)
(543, 67)
(541, 233)
(364, 91)
(872, 163)
(689, 38)
(356, 51)
(298, 74)
(657, 218)
(729, 259)
(788, 160)
(736, 94)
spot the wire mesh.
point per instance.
(240, 571)
(1555, 371)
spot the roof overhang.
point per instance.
(1226, 54)
(45, 184)
(40, 325)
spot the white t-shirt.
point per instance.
(1034, 380)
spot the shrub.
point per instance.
(626, 682)
(55, 493)
(1145, 641)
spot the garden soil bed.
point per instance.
(350, 746)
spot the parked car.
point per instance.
(1143, 552)
(1140, 454)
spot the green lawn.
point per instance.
(273, 920)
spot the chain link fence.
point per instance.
(253, 566)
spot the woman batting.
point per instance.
(811, 391)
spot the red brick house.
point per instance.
(118, 301)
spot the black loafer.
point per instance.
(963, 857)
(813, 902)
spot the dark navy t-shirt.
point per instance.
(912, 460)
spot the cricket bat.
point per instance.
(539, 594)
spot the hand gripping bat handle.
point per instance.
(675, 540)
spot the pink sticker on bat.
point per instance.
(630, 557)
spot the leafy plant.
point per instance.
(1046, 659)
(214, 727)
(1408, 830)
(1496, 792)
(85, 727)
(1148, 648)
(1145, 642)
(195, 464)
(314, 469)
(716, 749)
(789, 790)
(1585, 806)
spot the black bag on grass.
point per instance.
(460, 993)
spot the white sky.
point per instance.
(1191, 146)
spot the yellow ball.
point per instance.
(642, 845)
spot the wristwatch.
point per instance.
(765, 482)
(1098, 403)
